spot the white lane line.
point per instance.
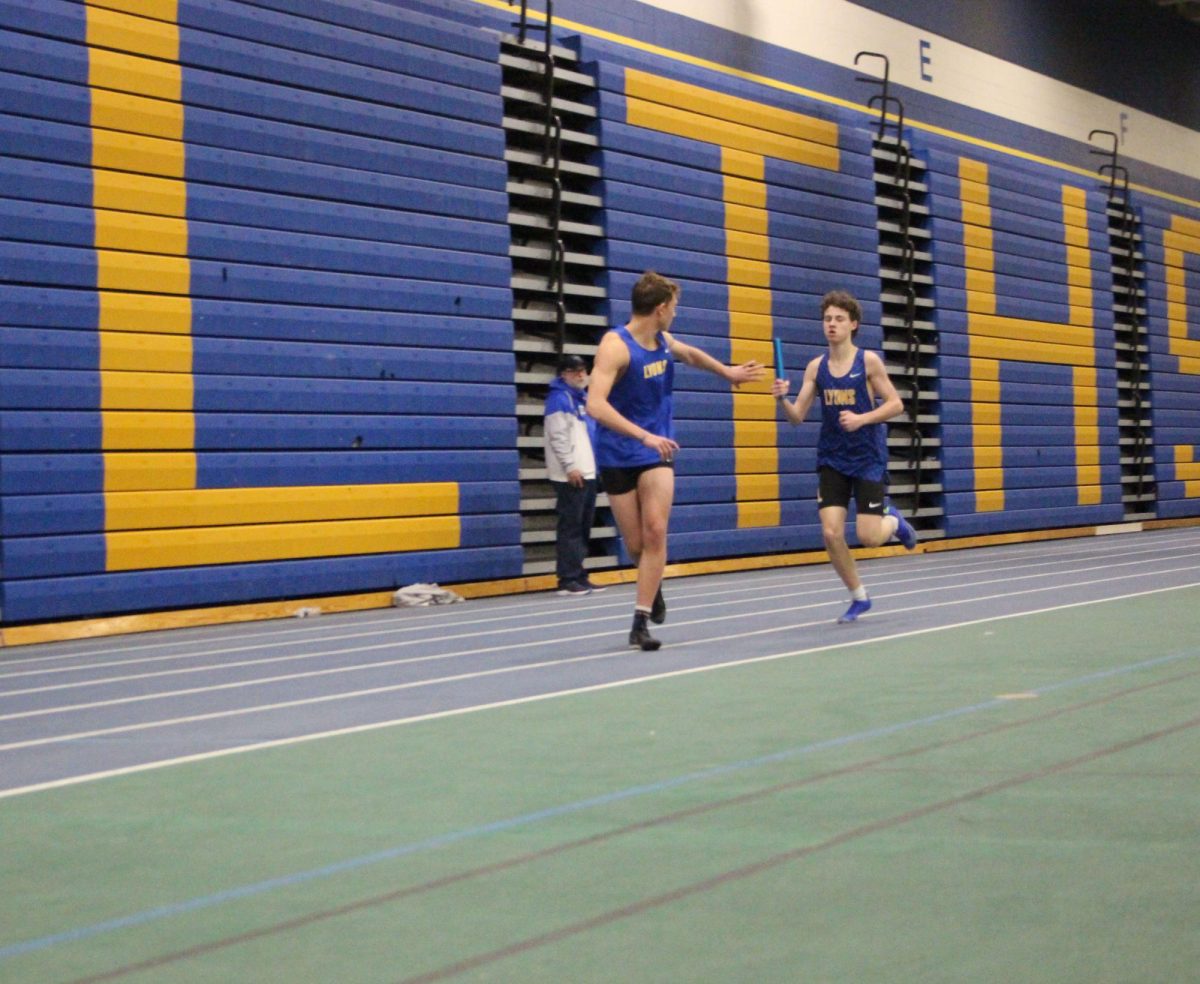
(513, 702)
(560, 662)
(406, 660)
(517, 606)
(391, 642)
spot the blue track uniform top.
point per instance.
(643, 395)
(862, 454)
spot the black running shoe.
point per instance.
(658, 611)
(640, 638)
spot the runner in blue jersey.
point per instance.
(856, 398)
(630, 398)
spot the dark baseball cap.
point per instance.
(570, 363)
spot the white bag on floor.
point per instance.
(421, 595)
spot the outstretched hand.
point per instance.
(747, 372)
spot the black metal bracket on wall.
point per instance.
(884, 98)
(552, 156)
(548, 60)
(886, 101)
(1118, 178)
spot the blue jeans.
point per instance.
(576, 509)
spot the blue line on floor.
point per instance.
(443, 840)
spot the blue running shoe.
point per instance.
(856, 608)
(904, 531)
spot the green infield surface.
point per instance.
(1014, 800)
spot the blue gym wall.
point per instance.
(255, 335)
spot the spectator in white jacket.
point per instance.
(568, 433)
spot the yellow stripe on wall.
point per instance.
(982, 281)
(978, 255)
(1079, 256)
(754, 515)
(988, 458)
(249, 507)
(748, 245)
(744, 325)
(136, 471)
(761, 460)
(749, 300)
(760, 350)
(989, 479)
(135, 114)
(987, 415)
(146, 391)
(755, 433)
(138, 160)
(985, 390)
(1187, 470)
(743, 191)
(1087, 436)
(1024, 350)
(135, 351)
(752, 273)
(145, 77)
(747, 132)
(743, 218)
(796, 127)
(986, 433)
(117, 191)
(987, 437)
(994, 338)
(144, 27)
(142, 272)
(1048, 332)
(696, 126)
(133, 153)
(279, 541)
(144, 313)
(979, 238)
(155, 515)
(761, 487)
(989, 500)
(1085, 398)
(135, 431)
(744, 164)
(757, 491)
(976, 213)
(124, 232)
(1183, 237)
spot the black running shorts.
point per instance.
(836, 489)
